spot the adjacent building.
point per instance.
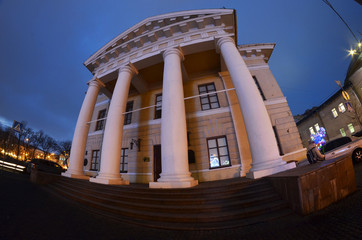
(341, 114)
(175, 101)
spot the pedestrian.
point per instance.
(313, 153)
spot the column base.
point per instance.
(72, 175)
(270, 171)
(109, 181)
(174, 184)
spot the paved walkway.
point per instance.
(29, 212)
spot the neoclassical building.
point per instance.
(175, 101)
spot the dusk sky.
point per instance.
(43, 45)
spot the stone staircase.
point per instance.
(212, 205)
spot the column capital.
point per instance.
(96, 82)
(222, 40)
(130, 68)
(177, 51)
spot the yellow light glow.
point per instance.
(352, 52)
(359, 44)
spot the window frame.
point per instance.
(334, 112)
(158, 109)
(343, 132)
(123, 162)
(350, 125)
(218, 151)
(209, 95)
(343, 107)
(100, 123)
(95, 161)
(128, 116)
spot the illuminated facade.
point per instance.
(174, 101)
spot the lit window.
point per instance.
(158, 108)
(334, 112)
(351, 128)
(209, 101)
(95, 160)
(343, 133)
(341, 108)
(124, 160)
(316, 126)
(101, 120)
(128, 116)
(311, 130)
(218, 152)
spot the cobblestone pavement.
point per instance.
(29, 212)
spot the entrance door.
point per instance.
(157, 169)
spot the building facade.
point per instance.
(340, 115)
(174, 101)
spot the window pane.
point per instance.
(221, 142)
(223, 151)
(214, 162)
(351, 128)
(334, 112)
(202, 89)
(211, 87)
(215, 105)
(212, 143)
(317, 127)
(225, 161)
(311, 130)
(343, 133)
(213, 98)
(341, 108)
(213, 152)
(205, 107)
(204, 100)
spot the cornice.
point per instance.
(154, 34)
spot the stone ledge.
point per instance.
(313, 187)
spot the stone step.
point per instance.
(183, 217)
(179, 206)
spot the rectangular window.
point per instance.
(95, 160)
(311, 130)
(128, 116)
(334, 112)
(351, 128)
(259, 88)
(101, 120)
(341, 108)
(218, 152)
(124, 160)
(158, 108)
(316, 126)
(343, 133)
(209, 101)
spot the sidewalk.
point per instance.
(29, 212)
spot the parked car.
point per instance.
(344, 146)
(45, 166)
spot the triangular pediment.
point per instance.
(158, 27)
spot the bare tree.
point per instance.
(48, 144)
(64, 149)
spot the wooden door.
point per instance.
(157, 168)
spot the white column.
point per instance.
(80, 136)
(112, 140)
(262, 141)
(174, 152)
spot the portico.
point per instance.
(119, 67)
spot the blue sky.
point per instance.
(43, 45)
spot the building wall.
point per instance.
(323, 116)
(202, 124)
